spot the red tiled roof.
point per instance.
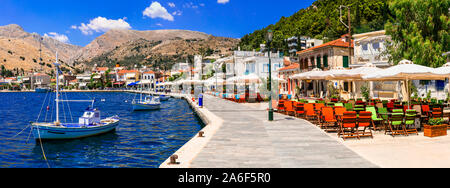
(338, 42)
(292, 66)
(102, 68)
(149, 72)
(127, 71)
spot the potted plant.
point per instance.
(435, 128)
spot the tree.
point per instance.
(419, 31)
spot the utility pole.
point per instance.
(349, 26)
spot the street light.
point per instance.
(269, 41)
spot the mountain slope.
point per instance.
(113, 38)
(321, 20)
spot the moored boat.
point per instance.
(149, 103)
(89, 124)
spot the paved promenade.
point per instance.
(247, 140)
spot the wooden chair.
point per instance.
(426, 114)
(437, 113)
(364, 121)
(379, 105)
(241, 99)
(375, 118)
(348, 126)
(328, 120)
(410, 122)
(299, 110)
(280, 107)
(311, 114)
(396, 125)
(289, 108)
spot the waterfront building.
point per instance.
(285, 73)
(40, 80)
(128, 76)
(326, 56)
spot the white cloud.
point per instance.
(177, 13)
(101, 24)
(223, 1)
(155, 10)
(172, 5)
(57, 36)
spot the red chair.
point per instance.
(280, 107)
(348, 126)
(426, 113)
(328, 120)
(241, 99)
(365, 121)
(390, 106)
(299, 110)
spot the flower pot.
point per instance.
(435, 131)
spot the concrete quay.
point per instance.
(240, 136)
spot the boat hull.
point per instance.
(60, 133)
(164, 98)
(143, 107)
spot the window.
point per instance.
(319, 64)
(325, 61)
(365, 47)
(376, 46)
(345, 62)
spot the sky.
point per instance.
(79, 22)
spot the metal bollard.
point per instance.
(173, 160)
(201, 134)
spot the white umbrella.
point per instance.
(307, 75)
(251, 78)
(406, 70)
(279, 80)
(444, 70)
(356, 74)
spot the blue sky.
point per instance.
(81, 21)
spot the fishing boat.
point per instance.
(164, 97)
(89, 124)
(148, 103)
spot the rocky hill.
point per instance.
(151, 48)
(20, 50)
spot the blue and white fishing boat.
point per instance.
(148, 103)
(89, 124)
(164, 97)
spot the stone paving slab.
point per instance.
(247, 140)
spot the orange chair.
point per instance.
(290, 111)
(241, 99)
(365, 121)
(299, 110)
(280, 107)
(328, 120)
(311, 115)
(348, 126)
(339, 112)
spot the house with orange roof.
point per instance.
(128, 76)
(285, 73)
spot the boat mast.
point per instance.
(57, 90)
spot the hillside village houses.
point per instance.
(306, 54)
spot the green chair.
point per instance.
(348, 106)
(311, 101)
(410, 122)
(330, 104)
(375, 117)
(339, 104)
(383, 114)
(359, 108)
(396, 125)
(400, 111)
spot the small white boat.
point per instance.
(149, 103)
(164, 97)
(89, 124)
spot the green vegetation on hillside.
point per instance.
(321, 21)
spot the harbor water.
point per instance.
(142, 140)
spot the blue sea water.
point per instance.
(142, 140)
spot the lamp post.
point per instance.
(269, 84)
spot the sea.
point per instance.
(142, 140)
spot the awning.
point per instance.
(119, 83)
(134, 83)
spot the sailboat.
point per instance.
(89, 124)
(148, 103)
